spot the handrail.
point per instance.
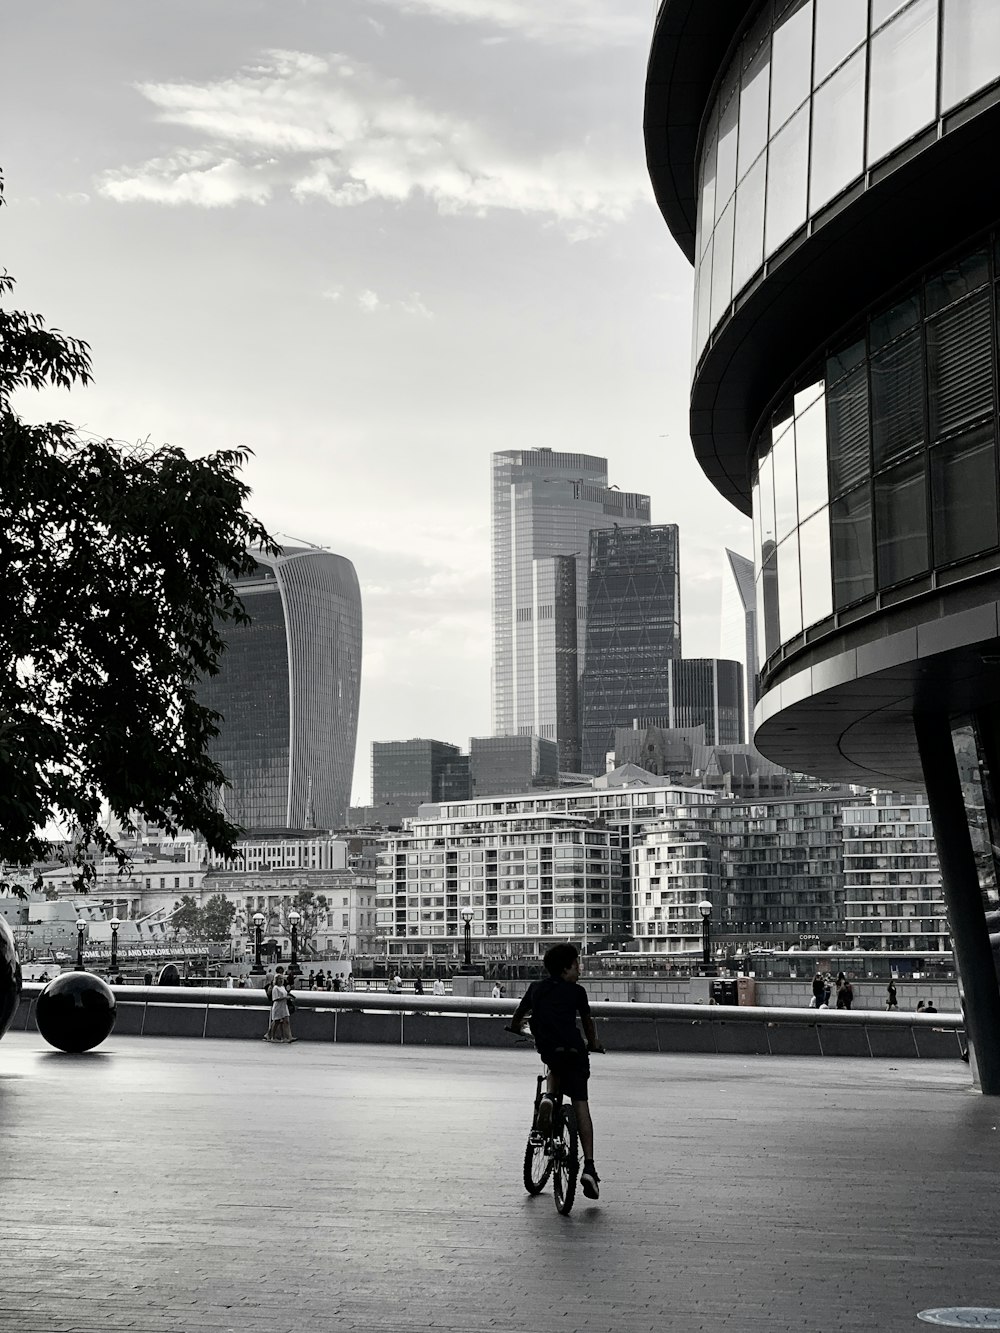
(410, 1003)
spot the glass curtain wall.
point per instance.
(818, 92)
(882, 465)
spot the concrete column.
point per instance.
(963, 898)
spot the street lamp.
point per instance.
(705, 908)
(81, 930)
(294, 918)
(114, 923)
(258, 930)
(467, 915)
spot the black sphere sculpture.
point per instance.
(75, 1011)
(10, 977)
(169, 976)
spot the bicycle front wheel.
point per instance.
(537, 1164)
(565, 1162)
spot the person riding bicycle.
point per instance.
(553, 1005)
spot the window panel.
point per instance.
(901, 522)
(787, 173)
(959, 278)
(960, 365)
(814, 557)
(964, 493)
(766, 481)
(897, 398)
(748, 247)
(847, 422)
(769, 598)
(722, 265)
(785, 503)
(838, 132)
(884, 9)
(903, 78)
(971, 55)
(706, 211)
(851, 533)
(789, 594)
(729, 119)
(753, 108)
(841, 25)
(704, 312)
(791, 59)
(810, 458)
(895, 321)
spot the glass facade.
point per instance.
(545, 505)
(893, 897)
(816, 94)
(882, 466)
(407, 773)
(288, 691)
(500, 764)
(705, 692)
(633, 631)
(738, 638)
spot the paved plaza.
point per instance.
(180, 1186)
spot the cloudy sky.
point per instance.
(373, 241)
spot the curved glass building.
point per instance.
(827, 167)
(288, 690)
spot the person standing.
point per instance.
(845, 992)
(438, 988)
(890, 996)
(281, 1028)
(819, 990)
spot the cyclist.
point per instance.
(553, 1004)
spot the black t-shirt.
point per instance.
(554, 1005)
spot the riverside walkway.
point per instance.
(167, 1185)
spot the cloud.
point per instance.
(589, 23)
(333, 129)
(369, 302)
(332, 293)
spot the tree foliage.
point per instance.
(187, 916)
(116, 580)
(312, 908)
(217, 918)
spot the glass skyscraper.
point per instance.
(405, 774)
(633, 632)
(545, 505)
(738, 640)
(288, 692)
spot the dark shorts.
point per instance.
(571, 1066)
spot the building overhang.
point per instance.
(847, 716)
(690, 41)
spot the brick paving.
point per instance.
(186, 1186)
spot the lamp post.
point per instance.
(81, 930)
(258, 932)
(705, 908)
(114, 923)
(294, 917)
(467, 915)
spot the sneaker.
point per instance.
(590, 1181)
(544, 1122)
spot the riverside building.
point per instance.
(826, 167)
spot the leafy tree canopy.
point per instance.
(217, 917)
(116, 581)
(187, 916)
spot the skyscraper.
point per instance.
(633, 631)
(545, 505)
(738, 639)
(407, 773)
(288, 692)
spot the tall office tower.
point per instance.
(705, 691)
(504, 764)
(407, 773)
(738, 639)
(826, 170)
(288, 690)
(633, 631)
(544, 505)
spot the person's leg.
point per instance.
(585, 1128)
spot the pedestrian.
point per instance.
(496, 992)
(920, 1006)
(350, 981)
(397, 984)
(334, 985)
(891, 1002)
(845, 991)
(418, 986)
(930, 1007)
(438, 988)
(280, 1030)
(819, 989)
(230, 982)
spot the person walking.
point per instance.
(845, 991)
(281, 1028)
(819, 990)
(890, 996)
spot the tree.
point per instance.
(217, 918)
(312, 908)
(187, 916)
(116, 581)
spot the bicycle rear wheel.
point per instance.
(565, 1162)
(537, 1164)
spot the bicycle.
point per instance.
(554, 1153)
